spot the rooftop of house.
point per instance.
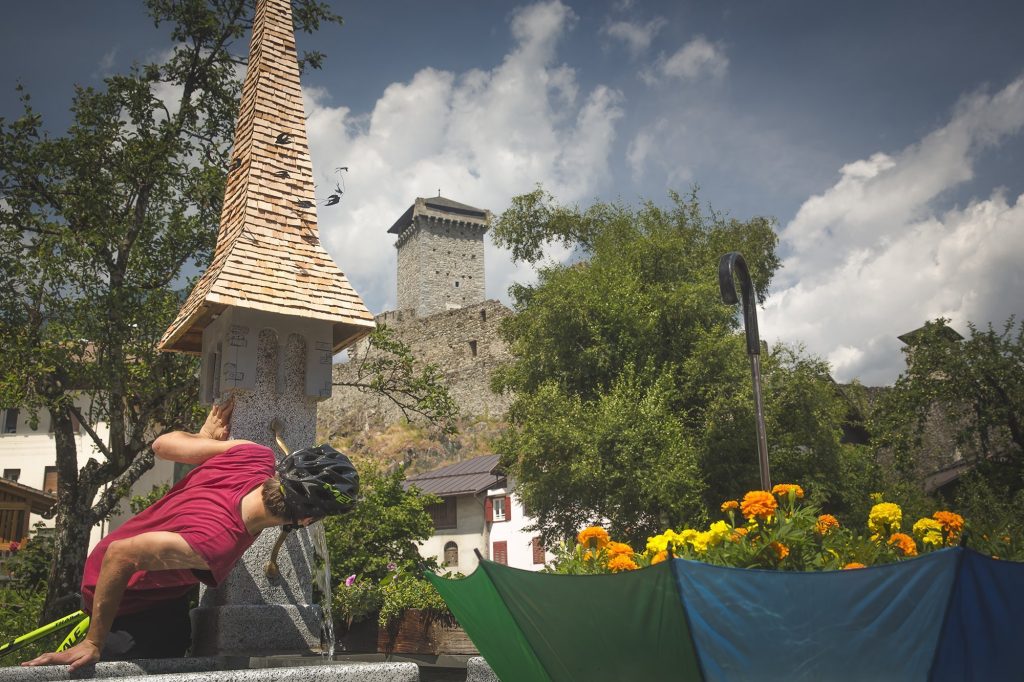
(470, 476)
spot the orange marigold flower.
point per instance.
(854, 564)
(659, 557)
(783, 489)
(781, 551)
(729, 505)
(904, 543)
(621, 562)
(758, 504)
(826, 522)
(619, 548)
(951, 522)
(737, 534)
(597, 534)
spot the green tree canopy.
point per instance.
(382, 530)
(632, 384)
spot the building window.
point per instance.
(538, 550)
(456, 284)
(444, 513)
(499, 508)
(472, 348)
(451, 554)
(50, 480)
(500, 552)
(11, 420)
(12, 474)
(483, 315)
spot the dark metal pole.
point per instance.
(730, 263)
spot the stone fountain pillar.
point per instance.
(276, 367)
(267, 316)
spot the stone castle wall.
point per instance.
(465, 346)
(440, 265)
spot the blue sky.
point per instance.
(887, 139)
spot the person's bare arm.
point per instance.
(155, 551)
(196, 448)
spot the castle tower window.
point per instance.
(456, 284)
(472, 347)
(483, 315)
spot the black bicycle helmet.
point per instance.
(318, 482)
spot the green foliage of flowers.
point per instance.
(355, 601)
(779, 531)
(20, 609)
(403, 591)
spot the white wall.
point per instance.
(519, 541)
(32, 450)
(468, 535)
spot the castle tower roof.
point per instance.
(268, 254)
(441, 208)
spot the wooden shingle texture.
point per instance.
(268, 255)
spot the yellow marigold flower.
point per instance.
(826, 522)
(719, 531)
(738, 534)
(700, 542)
(784, 489)
(952, 523)
(621, 562)
(758, 504)
(729, 505)
(904, 543)
(594, 536)
(854, 564)
(930, 532)
(781, 551)
(885, 517)
(659, 557)
(619, 548)
(658, 543)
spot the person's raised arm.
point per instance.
(155, 551)
(196, 448)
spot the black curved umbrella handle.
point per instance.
(727, 265)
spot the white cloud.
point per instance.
(106, 63)
(696, 58)
(637, 37)
(872, 258)
(480, 136)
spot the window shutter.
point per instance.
(500, 553)
(538, 551)
(508, 507)
(489, 510)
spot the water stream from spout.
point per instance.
(322, 587)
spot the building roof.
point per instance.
(945, 331)
(466, 477)
(39, 500)
(268, 254)
(444, 209)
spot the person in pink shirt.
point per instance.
(136, 580)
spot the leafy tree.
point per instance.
(379, 536)
(975, 389)
(632, 397)
(97, 228)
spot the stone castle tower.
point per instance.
(440, 255)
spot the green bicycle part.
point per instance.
(49, 628)
(76, 635)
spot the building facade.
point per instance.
(479, 512)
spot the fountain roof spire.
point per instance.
(268, 255)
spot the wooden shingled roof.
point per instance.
(268, 254)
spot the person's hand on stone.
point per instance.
(82, 654)
(218, 422)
